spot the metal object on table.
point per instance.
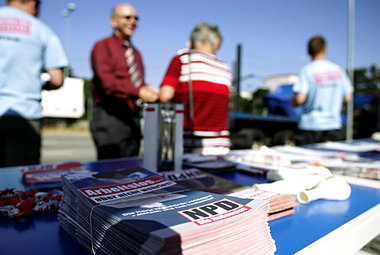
(163, 136)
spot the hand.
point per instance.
(148, 94)
(166, 93)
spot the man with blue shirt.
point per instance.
(322, 88)
(27, 47)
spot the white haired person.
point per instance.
(197, 78)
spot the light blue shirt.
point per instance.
(27, 47)
(325, 85)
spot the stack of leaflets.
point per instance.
(339, 158)
(280, 205)
(48, 176)
(210, 164)
(196, 179)
(135, 211)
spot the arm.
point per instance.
(170, 80)
(298, 99)
(348, 97)
(166, 93)
(348, 88)
(56, 79)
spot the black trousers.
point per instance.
(116, 135)
(20, 141)
(310, 137)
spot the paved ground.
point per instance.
(67, 145)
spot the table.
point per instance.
(321, 227)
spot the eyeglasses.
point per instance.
(128, 17)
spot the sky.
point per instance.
(273, 34)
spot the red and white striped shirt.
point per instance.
(211, 81)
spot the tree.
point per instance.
(366, 101)
(367, 80)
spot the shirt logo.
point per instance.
(15, 25)
(327, 76)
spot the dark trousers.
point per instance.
(115, 135)
(20, 141)
(310, 137)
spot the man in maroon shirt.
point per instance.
(117, 85)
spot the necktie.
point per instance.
(132, 65)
